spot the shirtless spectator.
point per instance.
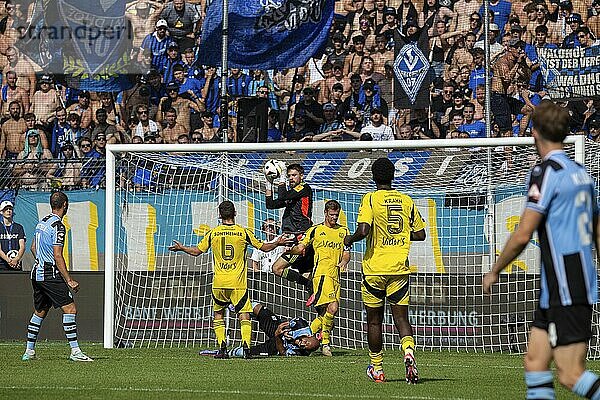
(353, 60)
(113, 111)
(181, 105)
(12, 140)
(321, 87)
(381, 54)
(68, 169)
(463, 10)
(45, 100)
(103, 128)
(83, 109)
(173, 130)
(367, 70)
(24, 69)
(593, 22)
(142, 22)
(11, 92)
(509, 67)
(339, 77)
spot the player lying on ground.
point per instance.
(228, 243)
(285, 337)
(327, 240)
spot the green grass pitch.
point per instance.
(181, 374)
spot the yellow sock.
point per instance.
(326, 328)
(246, 328)
(408, 344)
(376, 360)
(219, 327)
(315, 325)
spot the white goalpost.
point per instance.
(470, 192)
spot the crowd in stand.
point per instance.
(347, 93)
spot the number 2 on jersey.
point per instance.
(583, 220)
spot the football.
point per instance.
(273, 169)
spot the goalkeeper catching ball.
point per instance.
(295, 196)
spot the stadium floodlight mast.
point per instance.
(178, 286)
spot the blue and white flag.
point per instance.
(412, 70)
(267, 34)
(571, 74)
(89, 41)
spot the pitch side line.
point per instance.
(228, 392)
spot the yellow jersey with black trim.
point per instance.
(392, 216)
(229, 244)
(328, 244)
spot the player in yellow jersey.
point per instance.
(327, 240)
(390, 221)
(229, 243)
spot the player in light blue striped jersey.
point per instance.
(561, 206)
(51, 281)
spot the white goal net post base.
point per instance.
(470, 192)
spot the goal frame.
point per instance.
(112, 150)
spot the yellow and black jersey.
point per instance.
(392, 216)
(229, 244)
(328, 244)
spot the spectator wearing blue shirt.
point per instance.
(238, 83)
(173, 58)
(571, 40)
(191, 86)
(157, 43)
(59, 130)
(274, 134)
(210, 89)
(477, 76)
(475, 129)
(501, 11)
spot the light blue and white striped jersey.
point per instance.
(49, 232)
(562, 190)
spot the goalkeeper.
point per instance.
(297, 218)
(228, 243)
(327, 240)
(285, 337)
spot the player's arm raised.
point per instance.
(281, 240)
(191, 250)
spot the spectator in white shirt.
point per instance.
(377, 129)
(262, 261)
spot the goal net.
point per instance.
(470, 193)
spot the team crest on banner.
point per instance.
(96, 38)
(411, 68)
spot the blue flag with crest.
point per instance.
(88, 41)
(267, 34)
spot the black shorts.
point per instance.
(565, 325)
(268, 321)
(48, 293)
(301, 263)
